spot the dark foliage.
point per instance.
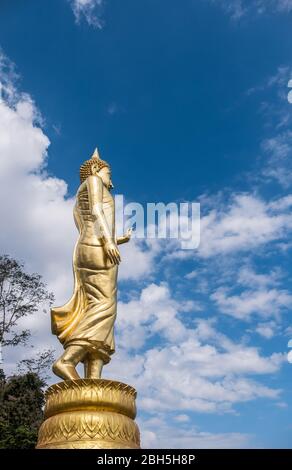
(21, 404)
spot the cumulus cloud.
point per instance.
(212, 371)
(154, 312)
(138, 259)
(34, 204)
(200, 392)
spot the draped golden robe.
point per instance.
(87, 319)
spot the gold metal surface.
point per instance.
(84, 325)
(90, 412)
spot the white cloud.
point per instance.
(245, 223)
(278, 151)
(138, 259)
(190, 369)
(34, 204)
(259, 295)
(196, 377)
(91, 10)
(282, 404)
(164, 436)
(182, 418)
(154, 312)
(267, 330)
(242, 223)
(279, 78)
(249, 278)
(263, 302)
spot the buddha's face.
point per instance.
(105, 175)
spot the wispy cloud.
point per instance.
(274, 162)
(237, 9)
(278, 150)
(267, 329)
(90, 10)
(158, 433)
(240, 222)
(261, 302)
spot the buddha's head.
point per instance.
(96, 166)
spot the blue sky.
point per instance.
(187, 103)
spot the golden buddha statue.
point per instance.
(90, 412)
(85, 324)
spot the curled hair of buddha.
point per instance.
(86, 167)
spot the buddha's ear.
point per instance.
(94, 168)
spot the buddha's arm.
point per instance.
(121, 240)
(77, 220)
(95, 197)
(125, 238)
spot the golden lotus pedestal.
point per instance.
(89, 414)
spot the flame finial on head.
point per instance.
(95, 154)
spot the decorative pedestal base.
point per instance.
(89, 414)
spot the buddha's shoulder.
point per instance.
(83, 190)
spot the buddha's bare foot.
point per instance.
(64, 367)
(65, 370)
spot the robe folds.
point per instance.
(87, 319)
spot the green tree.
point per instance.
(21, 294)
(21, 396)
(38, 365)
(21, 410)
